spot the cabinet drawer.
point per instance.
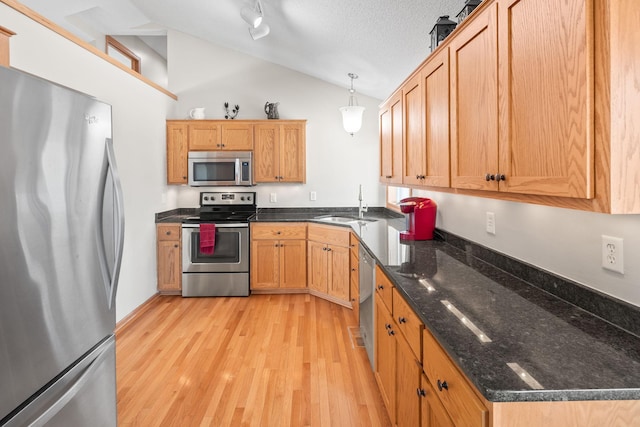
(329, 234)
(455, 393)
(280, 231)
(384, 288)
(409, 323)
(168, 231)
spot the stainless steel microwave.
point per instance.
(220, 168)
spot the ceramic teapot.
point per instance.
(271, 109)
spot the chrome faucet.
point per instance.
(361, 210)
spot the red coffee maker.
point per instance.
(421, 219)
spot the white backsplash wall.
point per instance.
(563, 241)
(206, 75)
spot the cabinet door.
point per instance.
(204, 136)
(414, 147)
(546, 97)
(355, 285)
(237, 136)
(293, 263)
(177, 151)
(391, 141)
(169, 258)
(265, 264)
(408, 373)
(435, 83)
(317, 266)
(474, 103)
(292, 155)
(338, 273)
(433, 413)
(266, 153)
(385, 357)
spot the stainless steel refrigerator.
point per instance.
(61, 237)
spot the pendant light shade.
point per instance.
(352, 113)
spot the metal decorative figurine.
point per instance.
(271, 110)
(233, 113)
(468, 7)
(443, 27)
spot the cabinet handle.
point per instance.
(490, 177)
(329, 249)
(391, 332)
(421, 392)
(443, 385)
(423, 177)
(389, 176)
(380, 287)
(402, 320)
(501, 177)
(387, 326)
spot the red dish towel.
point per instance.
(207, 238)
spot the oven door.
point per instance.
(230, 253)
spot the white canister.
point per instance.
(197, 113)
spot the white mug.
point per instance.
(197, 113)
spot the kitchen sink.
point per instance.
(343, 219)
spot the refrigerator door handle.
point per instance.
(110, 273)
(119, 222)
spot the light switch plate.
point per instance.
(491, 223)
(273, 198)
(312, 196)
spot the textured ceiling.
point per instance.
(380, 40)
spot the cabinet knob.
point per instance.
(176, 246)
(402, 320)
(168, 233)
(280, 177)
(184, 177)
(380, 287)
(391, 332)
(353, 269)
(443, 385)
(387, 326)
(324, 249)
(278, 232)
(389, 176)
(500, 177)
(490, 177)
(275, 177)
(421, 392)
(417, 176)
(423, 176)
(329, 249)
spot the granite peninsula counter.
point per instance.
(497, 327)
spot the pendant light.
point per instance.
(352, 113)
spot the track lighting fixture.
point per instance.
(253, 15)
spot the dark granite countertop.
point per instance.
(570, 353)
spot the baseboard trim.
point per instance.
(130, 318)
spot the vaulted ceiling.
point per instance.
(380, 40)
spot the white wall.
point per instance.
(564, 241)
(206, 75)
(139, 113)
(152, 65)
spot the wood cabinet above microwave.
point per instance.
(281, 159)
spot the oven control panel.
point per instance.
(231, 198)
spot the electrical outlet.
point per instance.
(273, 198)
(613, 254)
(491, 223)
(312, 196)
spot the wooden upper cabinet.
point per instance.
(177, 152)
(279, 152)
(237, 136)
(204, 135)
(474, 103)
(414, 148)
(391, 140)
(546, 97)
(435, 84)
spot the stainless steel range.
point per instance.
(223, 269)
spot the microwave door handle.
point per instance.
(238, 171)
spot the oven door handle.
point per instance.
(238, 225)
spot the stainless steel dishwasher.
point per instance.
(367, 267)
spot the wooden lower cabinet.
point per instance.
(278, 256)
(169, 258)
(432, 413)
(385, 357)
(329, 262)
(408, 372)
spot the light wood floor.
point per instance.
(266, 360)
